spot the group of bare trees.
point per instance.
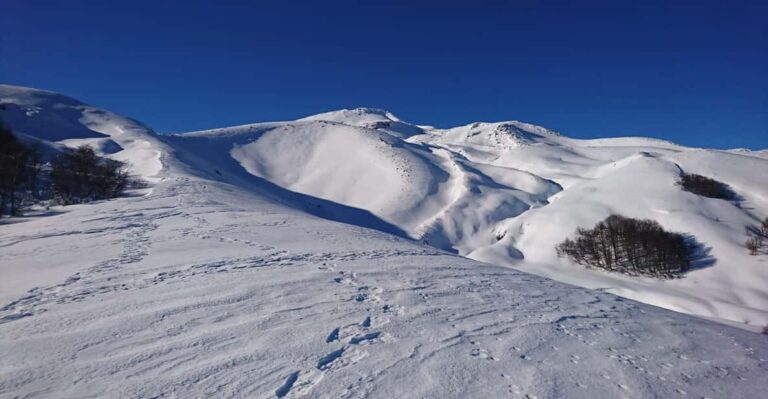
(19, 172)
(71, 177)
(706, 187)
(757, 237)
(631, 246)
(82, 175)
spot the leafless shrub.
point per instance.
(706, 187)
(630, 246)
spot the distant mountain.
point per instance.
(53, 120)
(230, 276)
(508, 192)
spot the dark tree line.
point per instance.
(76, 176)
(81, 175)
(20, 168)
(706, 187)
(631, 246)
(757, 236)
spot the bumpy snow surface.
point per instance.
(232, 277)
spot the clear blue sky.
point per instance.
(695, 72)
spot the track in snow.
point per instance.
(304, 307)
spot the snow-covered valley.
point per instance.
(337, 256)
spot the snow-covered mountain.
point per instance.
(54, 120)
(506, 193)
(230, 276)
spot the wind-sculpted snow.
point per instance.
(218, 292)
(232, 276)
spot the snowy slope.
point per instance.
(54, 120)
(506, 193)
(221, 283)
(207, 290)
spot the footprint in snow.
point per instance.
(333, 336)
(287, 385)
(480, 353)
(365, 338)
(299, 383)
(326, 361)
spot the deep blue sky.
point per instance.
(695, 72)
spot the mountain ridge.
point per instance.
(488, 178)
(489, 191)
(221, 279)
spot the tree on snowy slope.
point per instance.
(81, 175)
(630, 246)
(757, 236)
(706, 187)
(18, 169)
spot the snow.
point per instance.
(54, 118)
(217, 292)
(233, 277)
(375, 118)
(506, 193)
(356, 116)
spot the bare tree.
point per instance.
(756, 237)
(706, 187)
(17, 165)
(754, 244)
(631, 246)
(81, 176)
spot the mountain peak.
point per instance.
(355, 116)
